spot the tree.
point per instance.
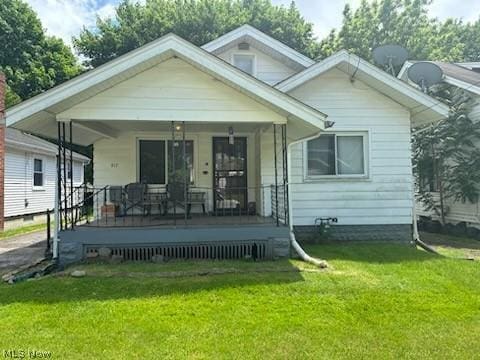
(31, 61)
(403, 22)
(198, 21)
(446, 157)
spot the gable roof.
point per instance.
(258, 39)
(423, 108)
(454, 74)
(20, 140)
(34, 114)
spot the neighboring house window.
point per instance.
(37, 172)
(244, 62)
(69, 170)
(428, 181)
(337, 155)
(152, 161)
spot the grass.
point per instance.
(22, 230)
(453, 246)
(377, 301)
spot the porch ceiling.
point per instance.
(117, 126)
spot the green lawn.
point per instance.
(453, 246)
(377, 301)
(22, 230)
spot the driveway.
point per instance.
(22, 250)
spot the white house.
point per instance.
(465, 76)
(29, 185)
(272, 138)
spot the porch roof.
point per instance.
(40, 114)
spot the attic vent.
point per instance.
(244, 46)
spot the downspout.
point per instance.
(303, 255)
(416, 236)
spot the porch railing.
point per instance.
(141, 205)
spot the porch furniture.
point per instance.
(196, 198)
(176, 197)
(135, 198)
(155, 197)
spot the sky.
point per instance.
(65, 18)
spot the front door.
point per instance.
(230, 175)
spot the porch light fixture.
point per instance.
(178, 127)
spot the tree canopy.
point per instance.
(446, 157)
(31, 61)
(403, 22)
(198, 21)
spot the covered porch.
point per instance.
(181, 174)
(182, 141)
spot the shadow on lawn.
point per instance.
(450, 241)
(68, 289)
(369, 252)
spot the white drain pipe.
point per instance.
(303, 255)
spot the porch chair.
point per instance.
(135, 198)
(176, 197)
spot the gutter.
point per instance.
(303, 255)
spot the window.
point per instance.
(156, 156)
(244, 63)
(178, 155)
(37, 172)
(69, 170)
(428, 179)
(152, 161)
(336, 155)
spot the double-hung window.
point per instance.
(156, 158)
(337, 154)
(38, 173)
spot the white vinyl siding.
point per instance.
(172, 91)
(20, 197)
(266, 68)
(385, 196)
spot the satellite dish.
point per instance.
(390, 56)
(425, 74)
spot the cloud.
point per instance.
(65, 18)
(467, 10)
(327, 14)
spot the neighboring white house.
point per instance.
(465, 76)
(347, 123)
(30, 170)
